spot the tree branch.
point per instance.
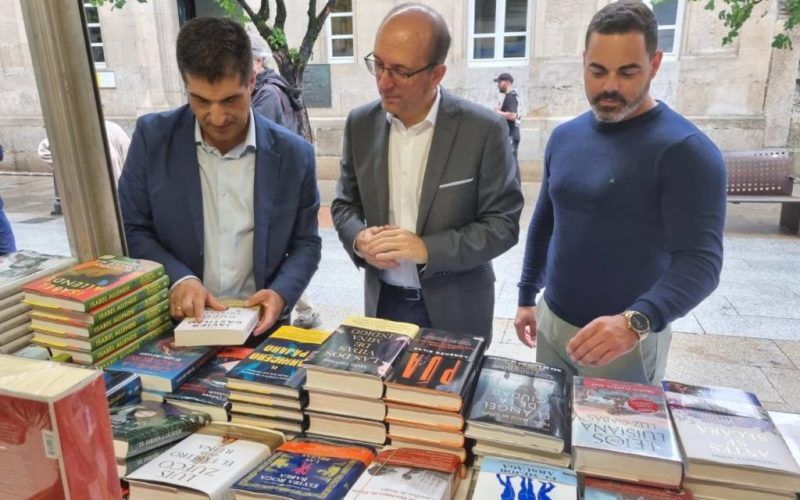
(246, 7)
(280, 14)
(315, 23)
(263, 11)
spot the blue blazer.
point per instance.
(162, 205)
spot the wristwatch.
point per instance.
(638, 322)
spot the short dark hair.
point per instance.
(441, 34)
(214, 48)
(623, 17)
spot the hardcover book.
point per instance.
(621, 430)
(604, 489)
(727, 436)
(511, 479)
(133, 346)
(229, 327)
(121, 387)
(519, 403)
(130, 464)
(55, 439)
(24, 266)
(205, 390)
(408, 474)
(162, 365)
(306, 469)
(87, 285)
(142, 427)
(275, 366)
(788, 425)
(437, 370)
(205, 462)
(359, 355)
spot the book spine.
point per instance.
(146, 301)
(135, 462)
(124, 394)
(132, 347)
(133, 284)
(129, 325)
(129, 337)
(145, 439)
(201, 361)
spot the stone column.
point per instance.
(65, 79)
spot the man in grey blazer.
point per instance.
(429, 192)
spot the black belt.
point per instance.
(405, 292)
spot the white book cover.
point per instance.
(24, 266)
(515, 479)
(392, 482)
(229, 327)
(203, 463)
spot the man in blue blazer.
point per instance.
(224, 199)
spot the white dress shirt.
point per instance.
(408, 158)
(227, 183)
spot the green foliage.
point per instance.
(277, 39)
(115, 4)
(232, 9)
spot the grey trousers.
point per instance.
(644, 365)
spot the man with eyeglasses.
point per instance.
(429, 192)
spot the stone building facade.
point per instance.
(744, 95)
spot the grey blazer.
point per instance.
(469, 207)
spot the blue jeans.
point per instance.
(7, 243)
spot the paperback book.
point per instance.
(24, 266)
(122, 387)
(511, 479)
(229, 327)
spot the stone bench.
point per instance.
(764, 176)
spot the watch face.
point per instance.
(639, 322)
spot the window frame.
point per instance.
(101, 44)
(332, 59)
(499, 34)
(677, 27)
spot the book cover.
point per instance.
(142, 427)
(23, 266)
(359, 347)
(307, 469)
(727, 426)
(278, 359)
(133, 346)
(788, 425)
(526, 396)
(162, 365)
(622, 417)
(207, 386)
(55, 439)
(408, 474)
(87, 285)
(511, 479)
(439, 361)
(121, 387)
(130, 464)
(605, 489)
(203, 463)
(112, 312)
(229, 327)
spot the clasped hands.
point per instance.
(189, 298)
(598, 343)
(383, 246)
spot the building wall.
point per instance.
(739, 94)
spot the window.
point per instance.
(95, 37)
(669, 14)
(340, 32)
(499, 30)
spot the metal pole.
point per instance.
(70, 102)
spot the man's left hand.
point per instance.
(602, 341)
(271, 304)
(396, 243)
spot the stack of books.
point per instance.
(16, 270)
(345, 379)
(429, 391)
(517, 479)
(519, 411)
(99, 311)
(731, 447)
(265, 388)
(122, 388)
(145, 430)
(621, 431)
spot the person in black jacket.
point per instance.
(509, 109)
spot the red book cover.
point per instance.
(90, 284)
(600, 489)
(55, 435)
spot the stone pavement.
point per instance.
(745, 335)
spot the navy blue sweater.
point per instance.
(630, 216)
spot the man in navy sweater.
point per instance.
(627, 232)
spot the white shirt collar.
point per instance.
(429, 119)
(248, 144)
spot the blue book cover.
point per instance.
(207, 386)
(305, 469)
(162, 365)
(121, 387)
(516, 479)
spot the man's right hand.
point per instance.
(363, 239)
(525, 324)
(189, 298)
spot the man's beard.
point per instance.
(623, 112)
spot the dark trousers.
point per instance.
(398, 303)
(514, 137)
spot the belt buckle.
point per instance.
(416, 293)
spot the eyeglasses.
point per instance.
(397, 75)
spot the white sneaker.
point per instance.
(307, 320)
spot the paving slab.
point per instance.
(729, 350)
(785, 381)
(792, 350)
(687, 324)
(749, 326)
(706, 372)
